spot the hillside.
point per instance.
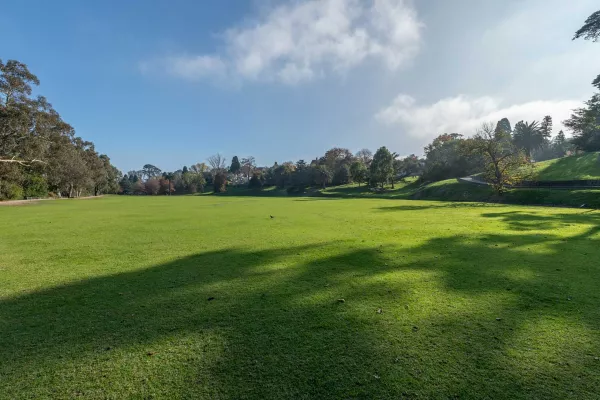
(579, 167)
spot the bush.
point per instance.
(10, 191)
(36, 186)
(255, 182)
(220, 183)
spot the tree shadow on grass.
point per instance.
(414, 323)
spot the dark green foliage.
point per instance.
(590, 29)
(35, 186)
(446, 158)
(382, 167)
(321, 175)
(359, 171)
(503, 126)
(220, 182)
(529, 136)
(342, 175)
(256, 181)
(235, 167)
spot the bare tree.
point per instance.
(365, 155)
(248, 165)
(217, 163)
(505, 164)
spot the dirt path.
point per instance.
(25, 202)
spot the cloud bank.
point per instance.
(463, 114)
(303, 40)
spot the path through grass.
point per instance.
(209, 297)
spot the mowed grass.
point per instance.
(578, 167)
(209, 297)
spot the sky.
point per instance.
(173, 82)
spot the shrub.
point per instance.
(36, 186)
(255, 181)
(10, 191)
(220, 182)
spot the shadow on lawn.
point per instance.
(276, 332)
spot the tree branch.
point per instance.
(26, 163)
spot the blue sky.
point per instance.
(172, 82)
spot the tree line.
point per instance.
(40, 154)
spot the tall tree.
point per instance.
(150, 171)
(382, 167)
(248, 165)
(503, 126)
(546, 127)
(590, 29)
(358, 171)
(217, 163)
(528, 136)
(235, 167)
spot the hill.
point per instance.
(578, 167)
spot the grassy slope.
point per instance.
(108, 298)
(578, 167)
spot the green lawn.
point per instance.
(209, 297)
(579, 167)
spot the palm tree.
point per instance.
(528, 136)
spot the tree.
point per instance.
(358, 171)
(248, 165)
(546, 127)
(503, 126)
(322, 175)
(149, 171)
(152, 186)
(590, 29)
(382, 167)
(168, 177)
(342, 175)
(408, 166)
(445, 158)
(584, 123)
(528, 136)
(184, 170)
(365, 155)
(256, 181)
(217, 164)
(504, 162)
(220, 182)
(235, 167)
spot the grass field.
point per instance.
(579, 167)
(209, 297)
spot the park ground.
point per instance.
(224, 297)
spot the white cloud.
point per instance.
(298, 41)
(464, 115)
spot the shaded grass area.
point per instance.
(209, 297)
(578, 167)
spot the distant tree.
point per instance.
(184, 170)
(322, 175)
(220, 182)
(382, 167)
(546, 127)
(445, 158)
(217, 164)
(528, 136)
(150, 171)
(235, 167)
(152, 186)
(408, 166)
(248, 165)
(584, 123)
(504, 162)
(300, 164)
(256, 181)
(283, 174)
(503, 126)
(341, 176)
(365, 155)
(335, 157)
(358, 171)
(590, 29)
(168, 188)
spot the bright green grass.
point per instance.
(579, 167)
(108, 298)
